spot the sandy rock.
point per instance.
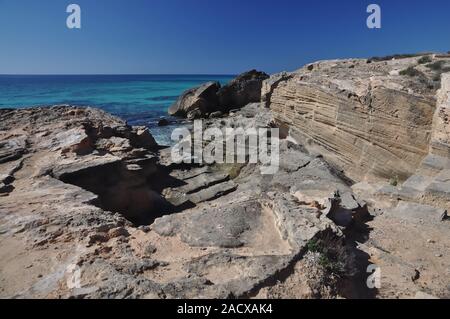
(88, 192)
(202, 99)
(244, 89)
(343, 113)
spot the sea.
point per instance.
(139, 99)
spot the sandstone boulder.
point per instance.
(202, 99)
(145, 138)
(244, 89)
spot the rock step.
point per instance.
(175, 198)
(433, 164)
(191, 173)
(213, 192)
(179, 199)
(439, 188)
(201, 184)
(434, 190)
(417, 212)
(418, 182)
(202, 181)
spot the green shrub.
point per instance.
(334, 256)
(391, 57)
(314, 246)
(411, 71)
(394, 181)
(436, 66)
(425, 59)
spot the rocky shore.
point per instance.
(93, 208)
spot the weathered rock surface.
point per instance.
(440, 140)
(202, 99)
(212, 100)
(80, 194)
(387, 129)
(365, 117)
(244, 89)
(92, 208)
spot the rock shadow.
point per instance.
(134, 194)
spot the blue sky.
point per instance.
(209, 36)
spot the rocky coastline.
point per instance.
(91, 207)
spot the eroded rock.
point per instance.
(344, 113)
(244, 89)
(202, 99)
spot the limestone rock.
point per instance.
(210, 98)
(244, 89)
(270, 84)
(440, 142)
(370, 123)
(12, 149)
(141, 137)
(81, 183)
(201, 99)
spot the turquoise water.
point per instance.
(138, 99)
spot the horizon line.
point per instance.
(114, 74)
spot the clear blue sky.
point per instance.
(209, 36)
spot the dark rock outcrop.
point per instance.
(210, 98)
(244, 89)
(163, 122)
(202, 99)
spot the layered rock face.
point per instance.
(385, 124)
(374, 119)
(440, 142)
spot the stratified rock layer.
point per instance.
(440, 141)
(371, 119)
